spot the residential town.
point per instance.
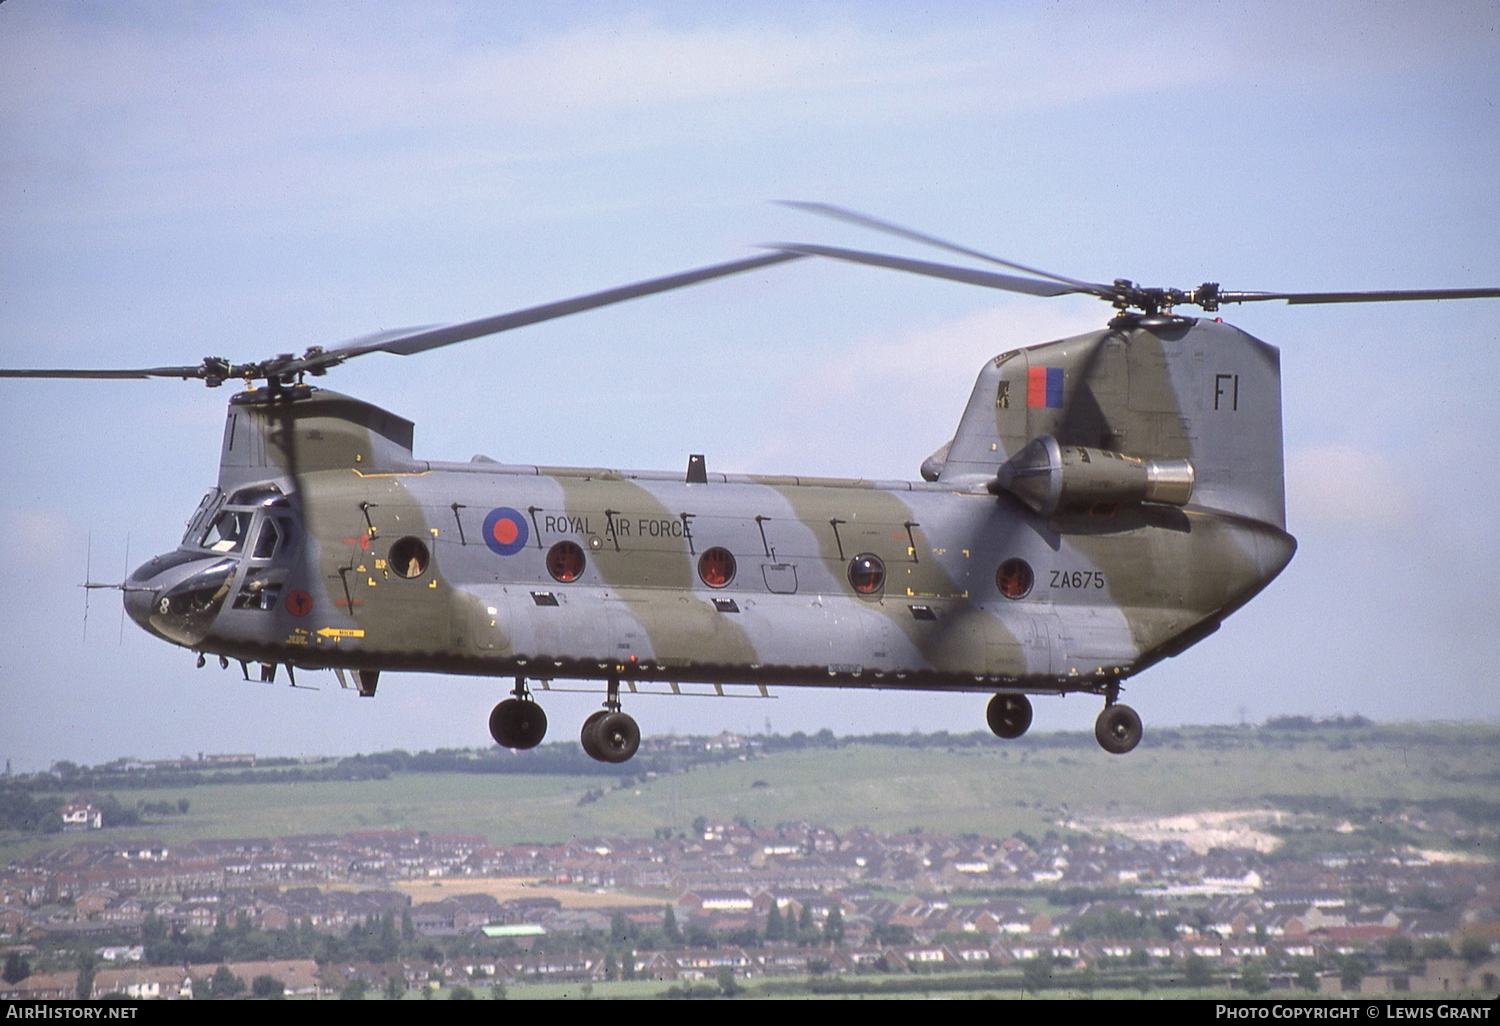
(452, 910)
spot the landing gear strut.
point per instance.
(1118, 728)
(518, 722)
(1009, 716)
(610, 735)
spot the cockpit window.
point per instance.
(258, 495)
(228, 532)
(195, 522)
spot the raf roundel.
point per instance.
(505, 531)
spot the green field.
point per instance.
(993, 789)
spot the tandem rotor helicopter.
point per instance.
(1104, 503)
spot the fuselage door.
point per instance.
(1041, 640)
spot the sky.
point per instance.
(178, 180)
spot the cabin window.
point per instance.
(866, 573)
(565, 562)
(716, 567)
(1014, 578)
(408, 557)
(258, 593)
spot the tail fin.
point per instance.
(1199, 390)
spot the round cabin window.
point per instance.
(716, 567)
(565, 561)
(408, 557)
(1014, 578)
(866, 573)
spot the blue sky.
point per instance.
(179, 179)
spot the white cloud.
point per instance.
(1339, 485)
(279, 105)
(31, 539)
(169, 91)
(170, 84)
(258, 111)
(881, 404)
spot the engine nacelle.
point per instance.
(1049, 477)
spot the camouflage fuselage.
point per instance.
(381, 561)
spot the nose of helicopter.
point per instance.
(138, 603)
(176, 596)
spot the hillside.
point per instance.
(1433, 785)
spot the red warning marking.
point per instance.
(299, 603)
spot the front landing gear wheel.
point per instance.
(515, 723)
(1118, 729)
(610, 736)
(1009, 716)
(589, 739)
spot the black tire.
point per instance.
(617, 737)
(1009, 716)
(1118, 729)
(533, 725)
(588, 737)
(518, 724)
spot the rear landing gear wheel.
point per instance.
(518, 723)
(610, 736)
(1009, 716)
(1118, 729)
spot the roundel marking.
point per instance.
(505, 531)
(299, 603)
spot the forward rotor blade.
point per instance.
(422, 339)
(144, 372)
(865, 221)
(363, 342)
(406, 341)
(1395, 296)
(967, 275)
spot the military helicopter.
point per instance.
(1105, 501)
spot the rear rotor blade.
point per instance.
(1394, 296)
(1125, 294)
(865, 221)
(967, 275)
